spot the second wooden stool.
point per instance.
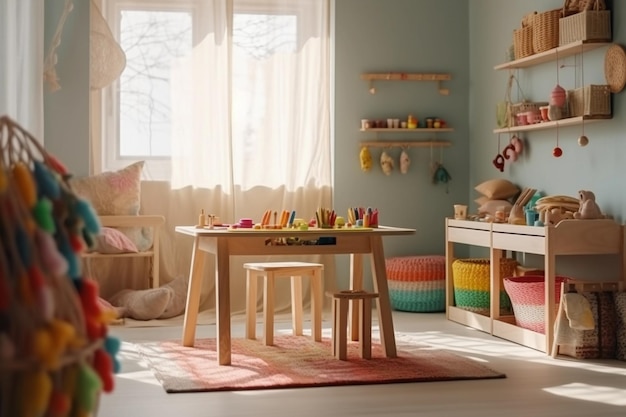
(341, 303)
(294, 270)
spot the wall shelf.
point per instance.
(406, 144)
(405, 76)
(418, 129)
(570, 121)
(553, 54)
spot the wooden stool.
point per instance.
(341, 303)
(294, 270)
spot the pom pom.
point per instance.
(86, 211)
(104, 367)
(46, 182)
(113, 345)
(34, 389)
(42, 212)
(25, 184)
(60, 403)
(56, 165)
(52, 260)
(88, 387)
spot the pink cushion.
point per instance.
(111, 240)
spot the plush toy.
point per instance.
(366, 159)
(588, 209)
(386, 163)
(405, 162)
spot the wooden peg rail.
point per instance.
(403, 76)
(407, 144)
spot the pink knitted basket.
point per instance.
(527, 294)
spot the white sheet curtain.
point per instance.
(251, 130)
(251, 108)
(21, 55)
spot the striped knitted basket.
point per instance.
(527, 295)
(417, 283)
(471, 284)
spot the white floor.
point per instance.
(536, 385)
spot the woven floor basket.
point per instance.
(527, 294)
(417, 283)
(472, 287)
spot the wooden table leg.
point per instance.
(193, 294)
(383, 304)
(222, 302)
(356, 283)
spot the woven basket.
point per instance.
(590, 100)
(471, 278)
(417, 283)
(588, 25)
(53, 330)
(523, 42)
(527, 295)
(546, 30)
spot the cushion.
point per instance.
(111, 240)
(620, 309)
(497, 189)
(112, 193)
(481, 200)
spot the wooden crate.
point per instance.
(590, 25)
(590, 100)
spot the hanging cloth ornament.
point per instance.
(107, 58)
(405, 162)
(386, 163)
(439, 173)
(366, 159)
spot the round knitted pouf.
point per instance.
(417, 283)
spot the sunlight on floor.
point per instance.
(594, 393)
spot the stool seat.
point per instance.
(340, 306)
(296, 271)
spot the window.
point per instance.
(137, 116)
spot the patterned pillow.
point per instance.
(113, 193)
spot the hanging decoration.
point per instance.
(405, 161)
(49, 66)
(438, 172)
(386, 163)
(366, 159)
(498, 161)
(107, 58)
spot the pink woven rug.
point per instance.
(298, 362)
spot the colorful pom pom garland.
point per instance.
(56, 356)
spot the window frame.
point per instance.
(105, 103)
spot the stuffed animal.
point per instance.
(588, 208)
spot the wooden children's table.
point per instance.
(224, 243)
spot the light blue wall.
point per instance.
(463, 38)
(66, 111)
(410, 36)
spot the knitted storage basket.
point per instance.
(417, 283)
(471, 283)
(527, 295)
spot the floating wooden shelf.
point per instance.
(419, 129)
(406, 144)
(553, 54)
(570, 121)
(405, 76)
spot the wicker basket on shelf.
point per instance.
(54, 360)
(590, 100)
(471, 279)
(546, 30)
(587, 25)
